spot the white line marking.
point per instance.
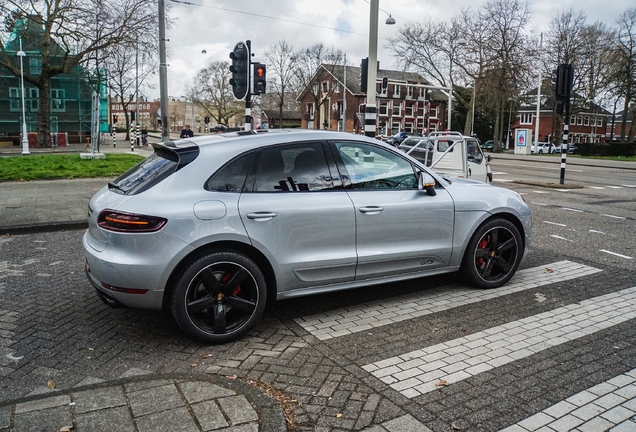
(564, 190)
(598, 232)
(366, 316)
(616, 254)
(589, 409)
(615, 217)
(499, 173)
(615, 187)
(597, 187)
(571, 209)
(559, 237)
(541, 192)
(629, 186)
(537, 203)
(418, 372)
(554, 223)
(502, 180)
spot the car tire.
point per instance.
(219, 297)
(493, 254)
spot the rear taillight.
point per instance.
(129, 222)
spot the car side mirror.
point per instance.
(488, 158)
(426, 182)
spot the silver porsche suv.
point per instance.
(212, 227)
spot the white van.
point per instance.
(452, 154)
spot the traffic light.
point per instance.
(114, 118)
(362, 109)
(240, 70)
(207, 119)
(364, 74)
(260, 78)
(564, 81)
(385, 83)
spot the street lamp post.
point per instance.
(25, 138)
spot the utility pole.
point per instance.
(372, 73)
(163, 72)
(536, 126)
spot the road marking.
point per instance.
(420, 371)
(559, 237)
(499, 173)
(597, 187)
(366, 316)
(537, 203)
(502, 180)
(616, 254)
(571, 209)
(615, 187)
(564, 190)
(541, 192)
(598, 232)
(615, 217)
(554, 223)
(534, 167)
(629, 186)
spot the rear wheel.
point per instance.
(219, 297)
(493, 254)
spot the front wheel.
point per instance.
(219, 297)
(493, 254)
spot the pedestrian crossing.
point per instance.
(421, 371)
(415, 374)
(362, 317)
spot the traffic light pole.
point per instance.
(564, 143)
(248, 96)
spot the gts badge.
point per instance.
(427, 262)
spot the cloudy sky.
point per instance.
(216, 25)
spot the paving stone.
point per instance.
(154, 399)
(209, 415)
(201, 391)
(238, 409)
(96, 399)
(177, 420)
(113, 419)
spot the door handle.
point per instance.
(371, 209)
(261, 215)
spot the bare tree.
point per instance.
(624, 69)
(282, 65)
(212, 92)
(66, 32)
(309, 61)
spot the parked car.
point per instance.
(397, 139)
(573, 148)
(421, 150)
(543, 148)
(214, 227)
(488, 145)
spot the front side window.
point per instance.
(371, 168)
(474, 153)
(291, 168)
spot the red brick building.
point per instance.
(402, 106)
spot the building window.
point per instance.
(325, 86)
(395, 128)
(34, 99)
(433, 112)
(408, 127)
(599, 121)
(397, 109)
(35, 65)
(586, 121)
(396, 90)
(384, 108)
(336, 87)
(572, 120)
(14, 95)
(420, 110)
(579, 121)
(408, 111)
(409, 91)
(310, 110)
(57, 100)
(525, 118)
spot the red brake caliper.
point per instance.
(483, 244)
(236, 290)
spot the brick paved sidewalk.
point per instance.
(148, 403)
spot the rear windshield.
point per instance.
(146, 173)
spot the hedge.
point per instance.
(607, 149)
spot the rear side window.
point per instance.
(146, 173)
(231, 177)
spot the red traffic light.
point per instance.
(260, 71)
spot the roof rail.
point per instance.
(445, 133)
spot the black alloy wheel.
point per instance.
(493, 254)
(219, 297)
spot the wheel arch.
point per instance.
(251, 252)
